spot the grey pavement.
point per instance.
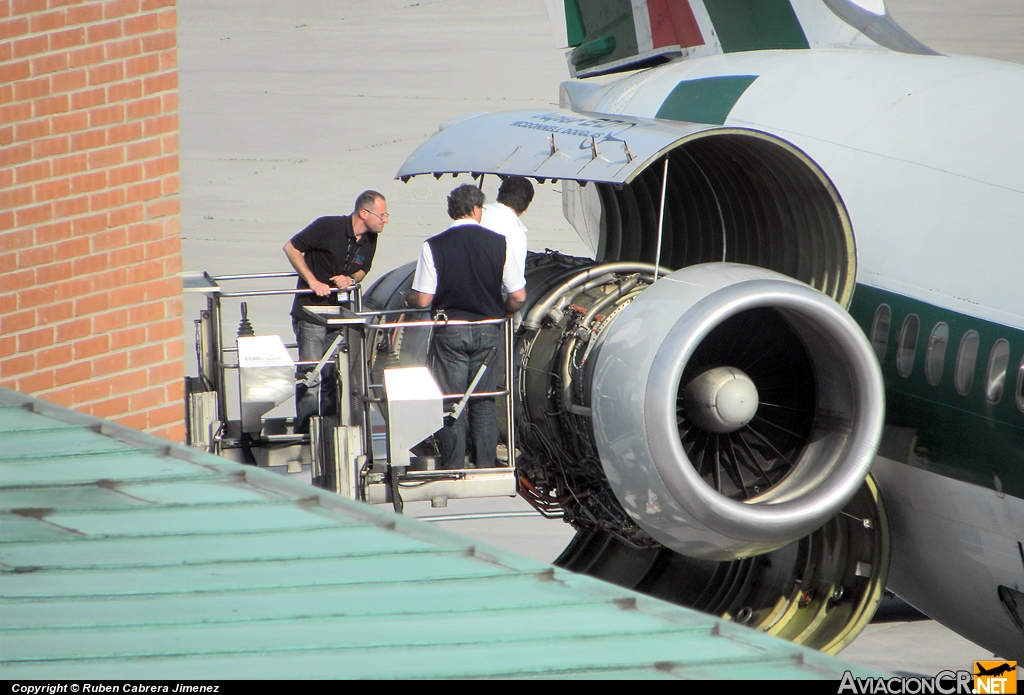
(289, 110)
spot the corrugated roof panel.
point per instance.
(123, 556)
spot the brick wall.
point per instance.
(90, 304)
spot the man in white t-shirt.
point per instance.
(514, 196)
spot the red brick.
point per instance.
(110, 321)
(15, 155)
(144, 149)
(34, 215)
(52, 62)
(71, 206)
(168, 19)
(34, 383)
(109, 364)
(8, 345)
(72, 248)
(68, 81)
(33, 171)
(165, 206)
(13, 27)
(143, 108)
(6, 219)
(18, 281)
(168, 246)
(142, 24)
(92, 391)
(17, 365)
(47, 21)
(90, 55)
(70, 122)
(93, 181)
(123, 296)
(161, 289)
(6, 135)
(124, 175)
(32, 129)
(123, 91)
(107, 199)
(91, 264)
(32, 45)
(145, 272)
(8, 305)
(73, 330)
(51, 147)
(147, 190)
(51, 190)
(145, 232)
(142, 65)
(104, 32)
(169, 101)
(34, 340)
(169, 143)
(106, 115)
(91, 304)
(126, 256)
(60, 40)
(90, 347)
(108, 157)
(49, 233)
(84, 14)
(35, 256)
(55, 272)
(11, 72)
(119, 8)
(169, 61)
(160, 83)
(20, 239)
(112, 238)
(36, 296)
(111, 408)
(72, 373)
(141, 357)
(11, 323)
(150, 398)
(63, 397)
(88, 140)
(118, 50)
(107, 72)
(138, 421)
(72, 164)
(30, 89)
(55, 313)
(6, 90)
(128, 337)
(114, 277)
(153, 4)
(164, 373)
(45, 106)
(159, 42)
(52, 357)
(125, 216)
(170, 185)
(26, 6)
(15, 197)
(89, 98)
(124, 132)
(146, 313)
(75, 288)
(164, 330)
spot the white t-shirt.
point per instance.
(425, 280)
(502, 219)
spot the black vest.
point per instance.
(469, 261)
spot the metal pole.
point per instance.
(509, 408)
(661, 219)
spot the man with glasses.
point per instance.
(331, 254)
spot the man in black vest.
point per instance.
(331, 253)
(463, 272)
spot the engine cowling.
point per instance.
(670, 390)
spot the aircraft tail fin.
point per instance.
(617, 35)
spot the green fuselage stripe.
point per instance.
(755, 25)
(707, 100)
(934, 427)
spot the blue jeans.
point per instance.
(455, 356)
(313, 340)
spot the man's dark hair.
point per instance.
(516, 192)
(463, 199)
(366, 200)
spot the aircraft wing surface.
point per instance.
(549, 144)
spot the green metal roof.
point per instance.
(122, 555)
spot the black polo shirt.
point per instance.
(330, 248)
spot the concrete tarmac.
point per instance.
(289, 110)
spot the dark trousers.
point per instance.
(455, 356)
(313, 340)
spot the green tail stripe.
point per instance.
(707, 100)
(573, 23)
(754, 25)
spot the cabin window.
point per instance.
(998, 360)
(880, 331)
(1020, 386)
(935, 359)
(966, 357)
(908, 345)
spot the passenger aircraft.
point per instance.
(726, 412)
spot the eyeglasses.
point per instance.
(383, 218)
